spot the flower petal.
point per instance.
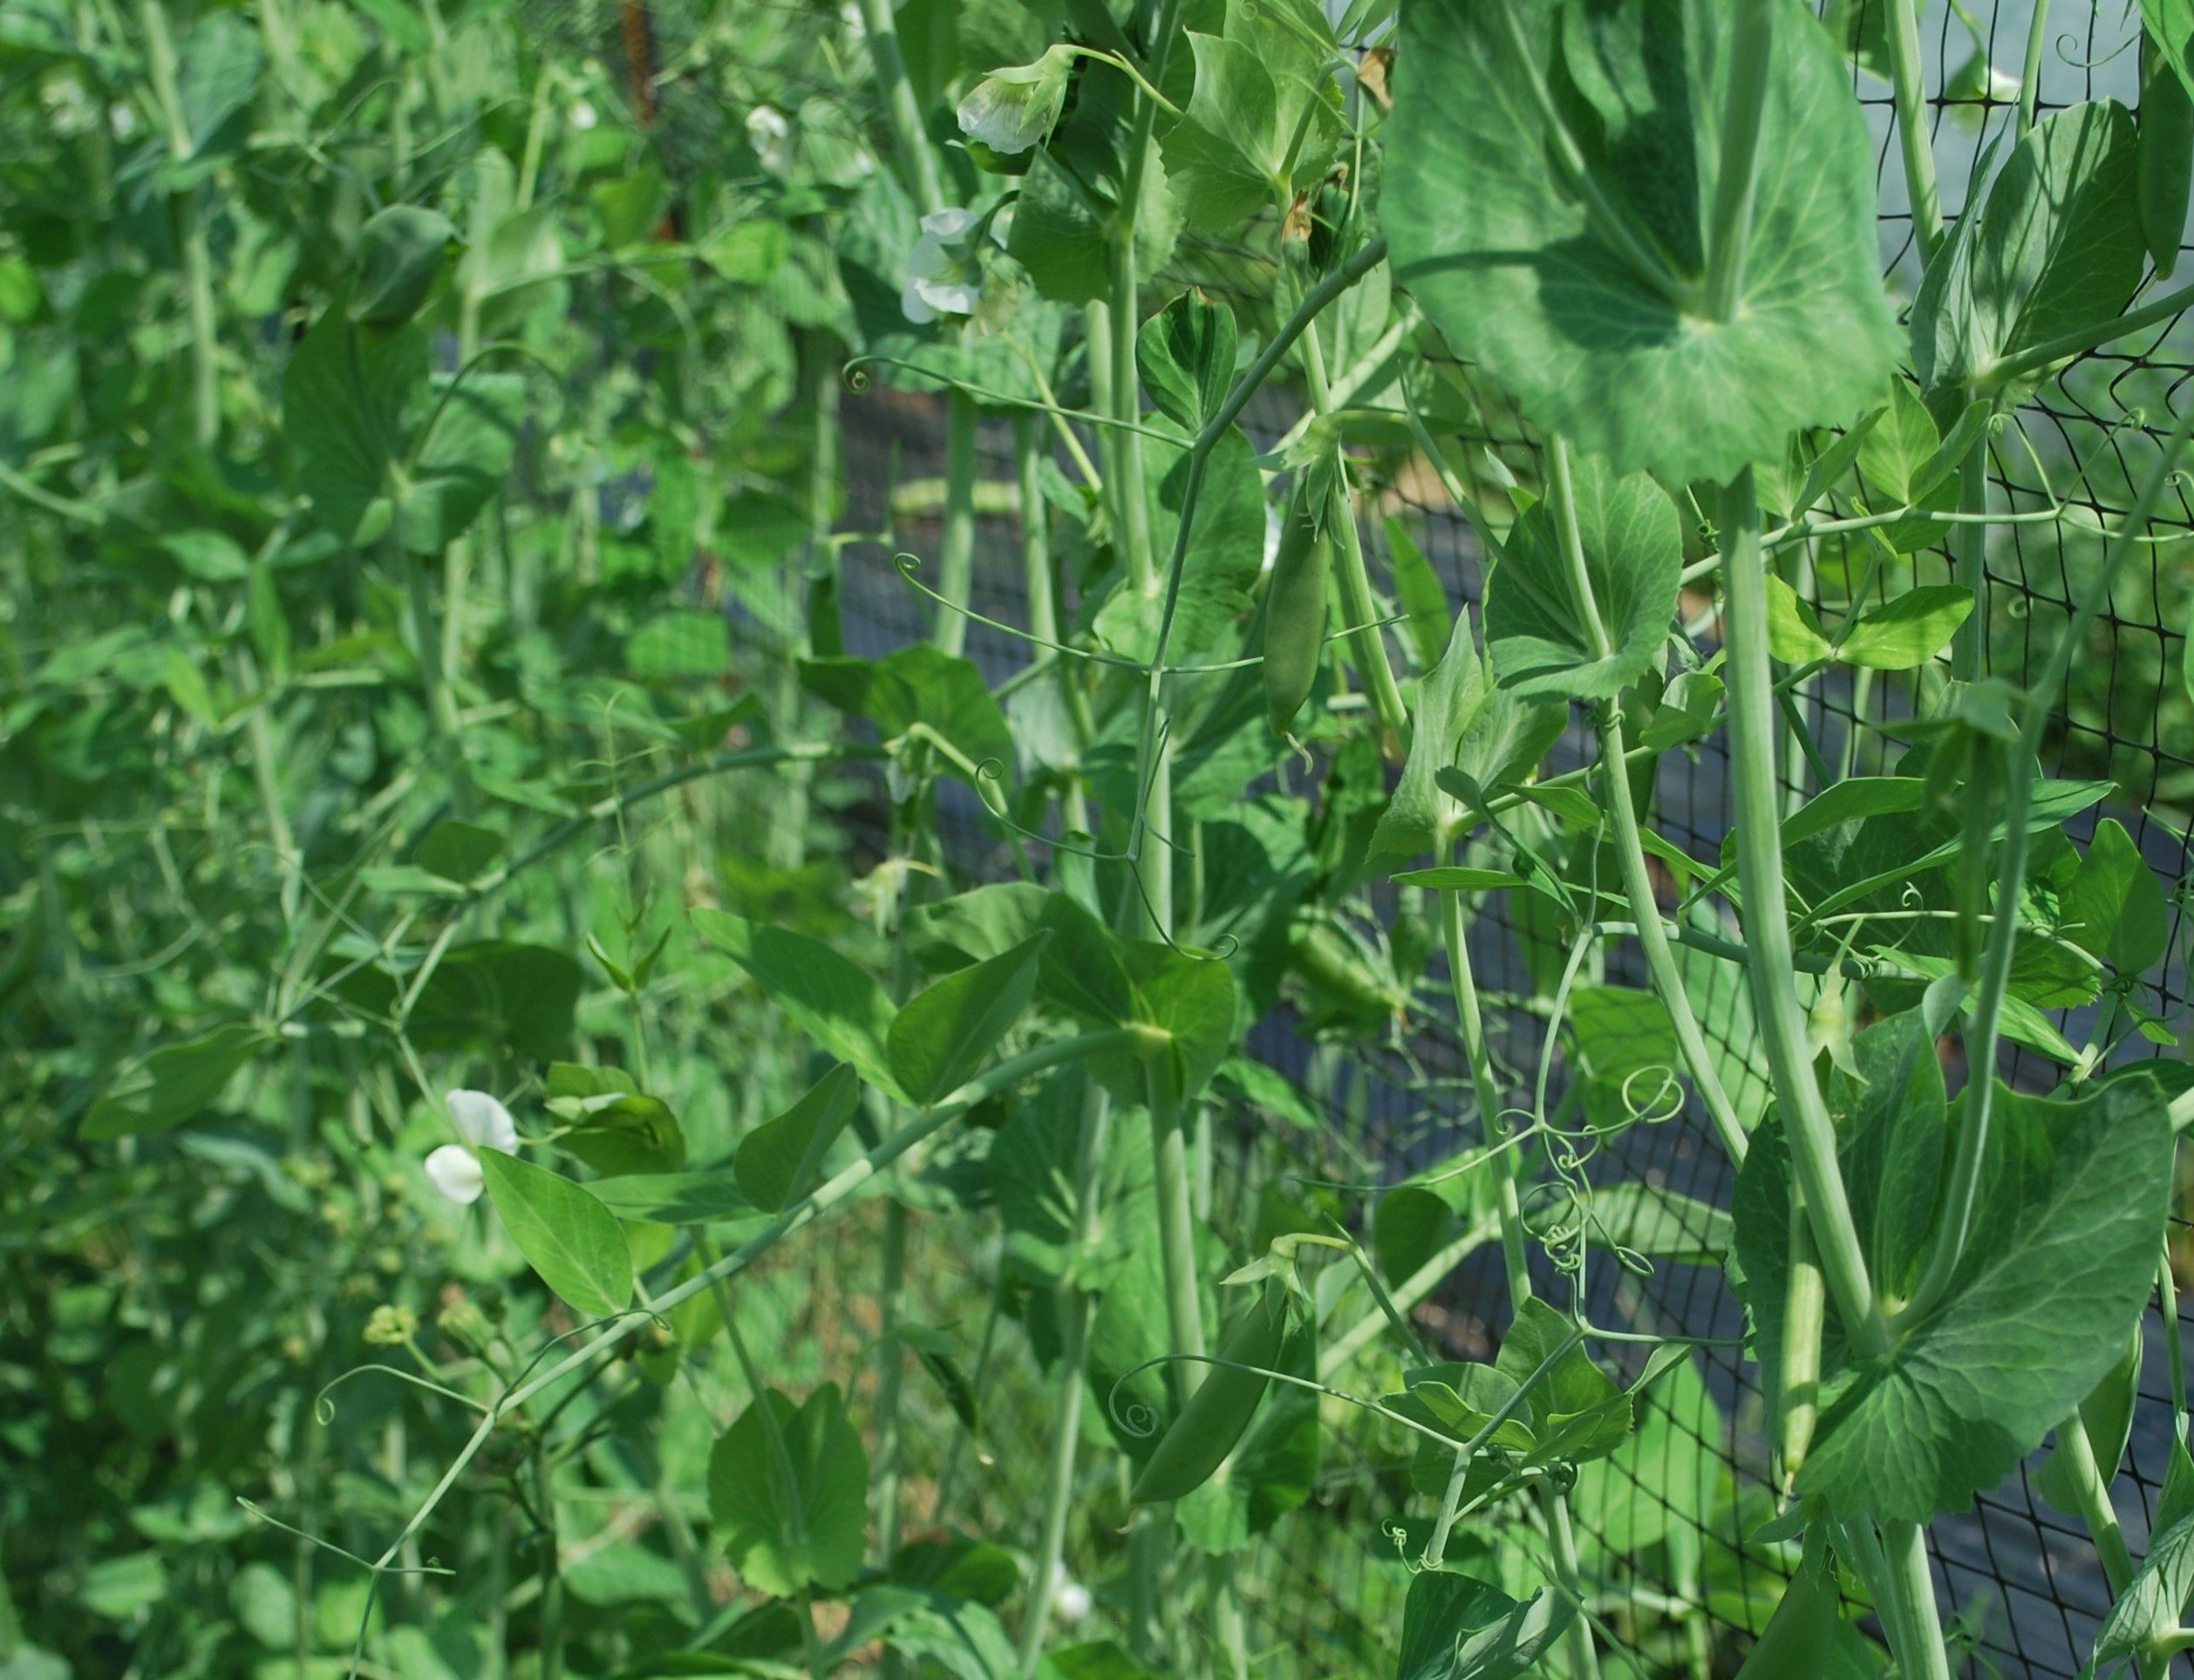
(912, 307)
(949, 223)
(482, 1121)
(454, 1170)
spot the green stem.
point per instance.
(1910, 1591)
(889, 64)
(551, 1569)
(1585, 1661)
(1915, 143)
(1043, 609)
(426, 647)
(1766, 918)
(1356, 590)
(1752, 43)
(190, 230)
(2091, 1488)
(889, 1378)
(2027, 363)
(1074, 1318)
(955, 549)
(1653, 936)
(2030, 74)
(1969, 545)
(1176, 1229)
(1984, 1011)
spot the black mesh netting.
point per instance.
(1665, 1530)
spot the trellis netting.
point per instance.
(1668, 1521)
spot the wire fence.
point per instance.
(1667, 1526)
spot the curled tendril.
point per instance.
(323, 1408)
(1666, 1102)
(2068, 49)
(855, 378)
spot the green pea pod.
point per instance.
(2166, 157)
(1798, 1633)
(1295, 606)
(1218, 1413)
(1804, 1300)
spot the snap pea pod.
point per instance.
(2166, 158)
(1795, 1640)
(1805, 1300)
(1218, 1413)
(1295, 604)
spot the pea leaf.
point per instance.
(1185, 354)
(1070, 198)
(1456, 1627)
(172, 1084)
(1254, 128)
(1575, 1409)
(2059, 1267)
(2114, 907)
(1080, 971)
(2056, 244)
(788, 1485)
(704, 1196)
(1908, 630)
(1448, 698)
(1593, 317)
(1539, 635)
(777, 1160)
(836, 1002)
(567, 1237)
(1423, 597)
(943, 1034)
(1795, 635)
(401, 250)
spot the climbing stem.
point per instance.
(1969, 546)
(1915, 144)
(1356, 591)
(889, 66)
(955, 548)
(1766, 918)
(1653, 936)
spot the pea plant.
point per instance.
(563, 1098)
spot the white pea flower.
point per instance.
(942, 276)
(1070, 1599)
(583, 116)
(484, 1123)
(857, 25)
(770, 132)
(1012, 108)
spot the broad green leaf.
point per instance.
(1575, 1409)
(1448, 696)
(618, 1131)
(1621, 1031)
(567, 1237)
(778, 1159)
(492, 995)
(1070, 197)
(1225, 551)
(1595, 320)
(919, 684)
(1690, 707)
(2169, 24)
(1891, 1108)
(1423, 597)
(1185, 354)
(1193, 1000)
(401, 251)
(172, 1084)
(1909, 630)
(2152, 1606)
(366, 422)
(1540, 637)
(2114, 907)
(702, 1196)
(1254, 130)
(1795, 635)
(788, 1487)
(2058, 1267)
(2106, 1415)
(1456, 1627)
(835, 1002)
(1080, 971)
(1665, 1480)
(2054, 245)
(943, 1034)
(458, 851)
